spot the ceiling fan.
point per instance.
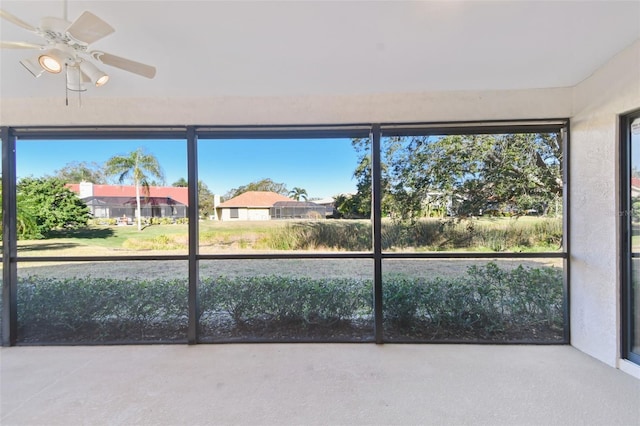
(66, 48)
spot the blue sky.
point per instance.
(324, 167)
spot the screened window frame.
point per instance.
(192, 133)
(627, 327)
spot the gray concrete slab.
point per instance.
(300, 384)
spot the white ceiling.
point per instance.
(269, 48)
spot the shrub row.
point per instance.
(100, 308)
(144, 221)
(273, 299)
(488, 302)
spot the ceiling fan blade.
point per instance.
(19, 45)
(88, 28)
(15, 20)
(125, 64)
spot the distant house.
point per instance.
(264, 205)
(116, 201)
(635, 187)
(329, 204)
(250, 205)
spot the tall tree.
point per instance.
(206, 198)
(266, 184)
(359, 204)
(508, 172)
(297, 193)
(76, 172)
(45, 204)
(26, 217)
(138, 167)
(465, 174)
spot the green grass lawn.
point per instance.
(115, 236)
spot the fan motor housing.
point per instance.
(55, 31)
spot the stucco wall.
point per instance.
(398, 107)
(244, 214)
(595, 285)
(225, 214)
(258, 214)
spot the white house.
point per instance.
(250, 205)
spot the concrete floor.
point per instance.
(282, 384)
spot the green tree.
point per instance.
(138, 167)
(180, 183)
(359, 204)
(509, 172)
(76, 172)
(206, 198)
(45, 204)
(266, 184)
(25, 221)
(468, 174)
(297, 193)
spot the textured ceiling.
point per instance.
(269, 48)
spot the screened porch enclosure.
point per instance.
(117, 207)
(297, 210)
(402, 271)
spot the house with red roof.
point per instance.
(635, 187)
(116, 201)
(265, 205)
(250, 205)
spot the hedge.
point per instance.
(486, 303)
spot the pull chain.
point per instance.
(66, 85)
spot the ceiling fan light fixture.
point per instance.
(75, 79)
(32, 66)
(102, 80)
(52, 61)
(97, 77)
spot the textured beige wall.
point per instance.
(401, 107)
(595, 291)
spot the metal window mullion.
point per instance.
(376, 218)
(626, 254)
(192, 178)
(9, 246)
(566, 240)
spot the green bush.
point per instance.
(402, 300)
(98, 308)
(103, 221)
(46, 204)
(487, 302)
(251, 300)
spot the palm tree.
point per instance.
(138, 167)
(297, 193)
